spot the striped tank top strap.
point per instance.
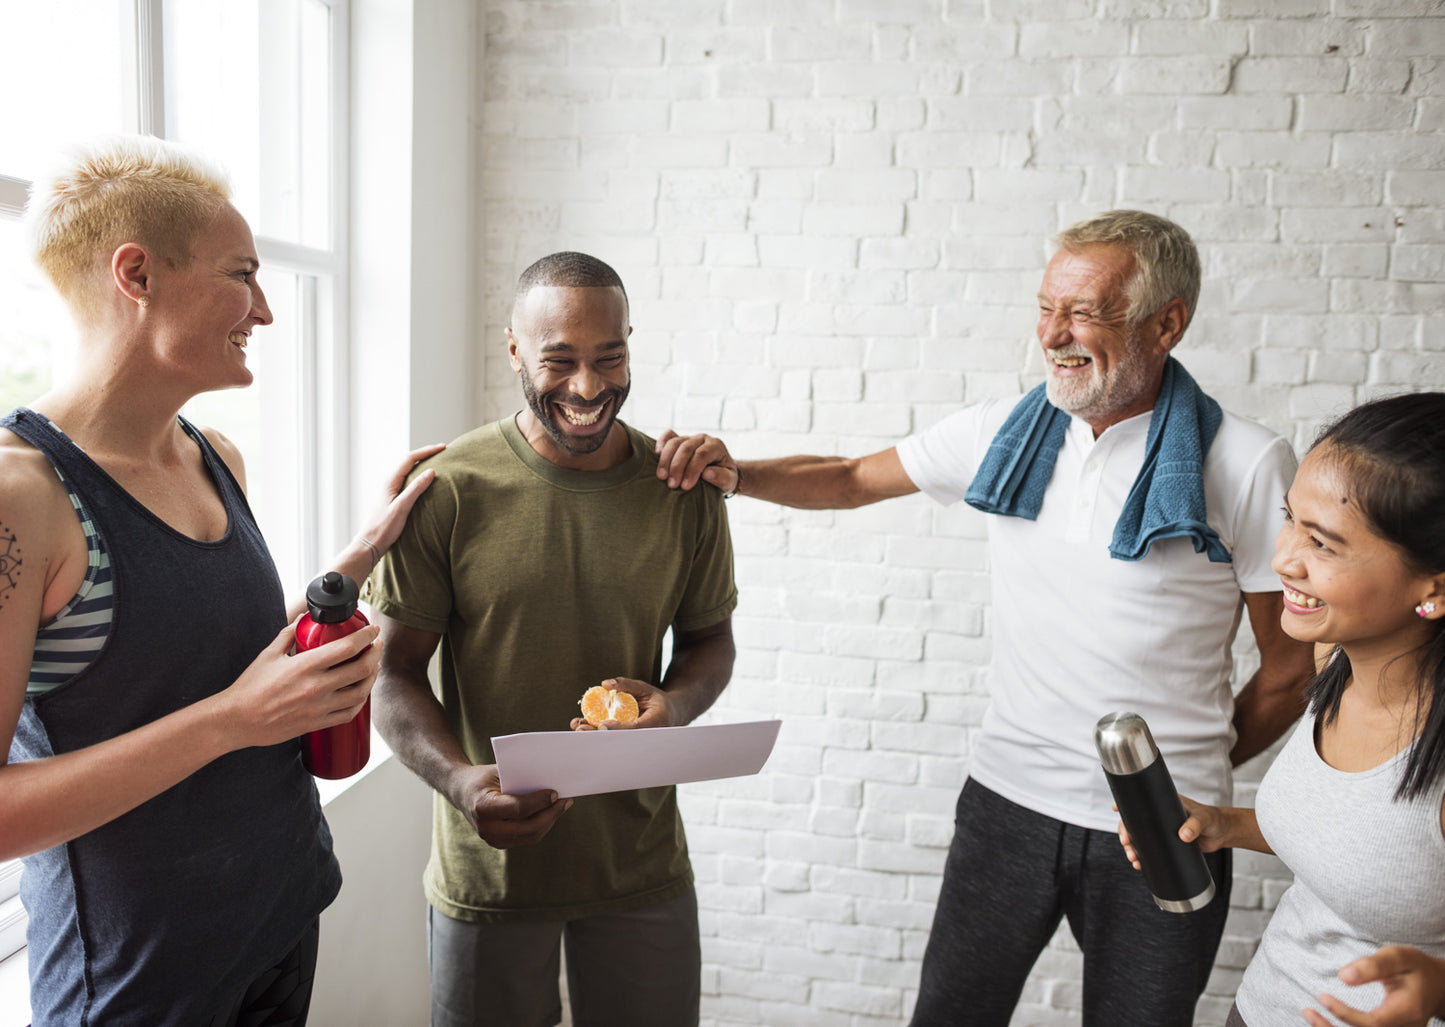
(74, 637)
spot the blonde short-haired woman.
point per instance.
(176, 856)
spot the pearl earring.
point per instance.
(1426, 608)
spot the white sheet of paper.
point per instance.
(575, 763)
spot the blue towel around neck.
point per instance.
(1167, 498)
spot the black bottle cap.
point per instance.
(331, 598)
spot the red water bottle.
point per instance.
(334, 752)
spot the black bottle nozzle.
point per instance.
(332, 598)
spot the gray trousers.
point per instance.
(640, 968)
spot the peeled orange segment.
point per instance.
(599, 704)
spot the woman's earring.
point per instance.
(144, 301)
(1426, 608)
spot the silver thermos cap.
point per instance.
(1124, 743)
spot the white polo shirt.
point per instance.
(1078, 634)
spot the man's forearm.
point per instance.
(826, 482)
(410, 719)
(698, 673)
(1273, 698)
(806, 482)
(1263, 711)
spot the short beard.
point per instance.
(570, 443)
(1103, 396)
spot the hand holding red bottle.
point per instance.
(340, 751)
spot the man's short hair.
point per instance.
(129, 189)
(1166, 262)
(568, 269)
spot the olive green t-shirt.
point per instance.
(544, 581)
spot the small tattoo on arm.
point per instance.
(10, 564)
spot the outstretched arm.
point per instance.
(413, 723)
(1273, 698)
(808, 482)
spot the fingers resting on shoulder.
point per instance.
(684, 460)
(398, 497)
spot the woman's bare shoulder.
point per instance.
(36, 514)
(228, 452)
(26, 476)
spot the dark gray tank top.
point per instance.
(162, 916)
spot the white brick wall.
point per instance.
(831, 216)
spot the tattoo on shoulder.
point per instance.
(10, 563)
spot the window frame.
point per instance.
(12, 196)
(12, 913)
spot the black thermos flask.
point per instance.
(1151, 811)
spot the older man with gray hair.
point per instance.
(1133, 520)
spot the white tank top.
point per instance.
(1369, 871)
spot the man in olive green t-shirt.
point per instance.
(547, 557)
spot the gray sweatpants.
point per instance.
(1011, 876)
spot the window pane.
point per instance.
(265, 422)
(249, 70)
(60, 68)
(37, 337)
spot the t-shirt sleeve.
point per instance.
(942, 460)
(711, 594)
(1257, 517)
(412, 583)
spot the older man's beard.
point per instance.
(577, 445)
(1100, 395)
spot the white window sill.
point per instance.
(380, 753)
(14, 971)
(14, 991)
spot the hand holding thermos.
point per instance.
(1152, 813)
